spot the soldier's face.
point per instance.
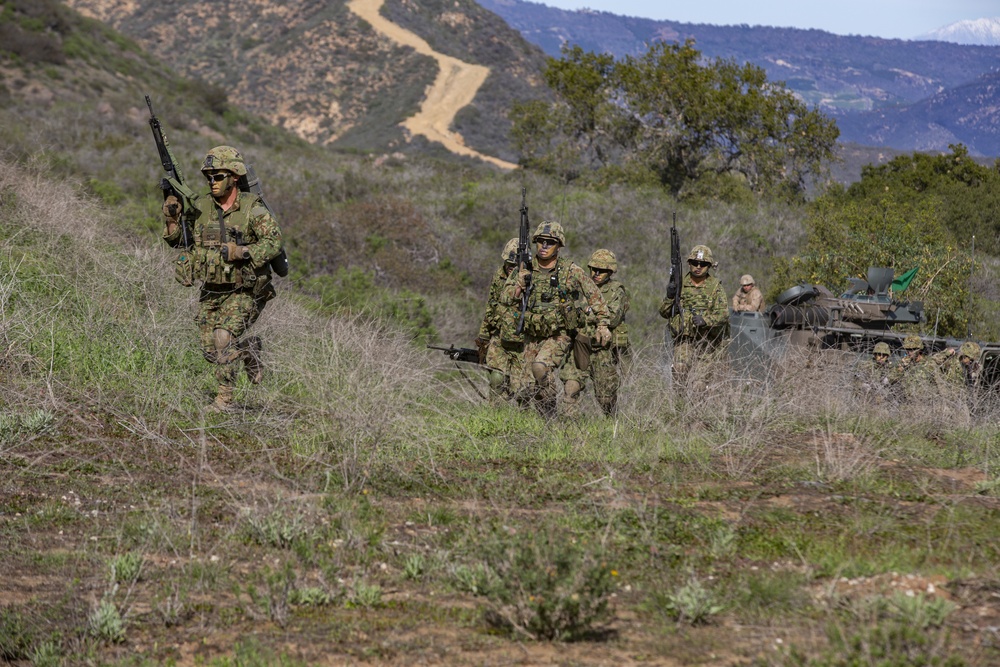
(699, 269)
(881, 359)
(220, 182)
(747, 288)
(599, 276)
(965, 360)
(546, 248)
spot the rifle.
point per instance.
(469, 354)
(675, 281)
(173, 182)
(250, 183)
(524, 257)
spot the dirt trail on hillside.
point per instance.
(454, 88)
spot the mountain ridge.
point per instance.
(982, 31)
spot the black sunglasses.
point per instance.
(545, 243)
(701, 264)
(217, 177)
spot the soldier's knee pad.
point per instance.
(540, 372)
(225, 351)
(572, 389)
(497, 380)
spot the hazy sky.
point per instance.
(903, 19)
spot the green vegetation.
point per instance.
(365, 505)
(667, 117)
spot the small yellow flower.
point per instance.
(614, 573)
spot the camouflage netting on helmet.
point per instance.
(225, 158)
(913, 342)
(552, 230)
(882, 348)
(969, 349)
(509, 254)
(603, 259)
(701, 253)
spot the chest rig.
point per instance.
(218, 228)
(553, 304)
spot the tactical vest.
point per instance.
(552, 306)
(210, 236)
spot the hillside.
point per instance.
(364, 505)
(318, 70)
(843, 75)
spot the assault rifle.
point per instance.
(524, 257)
(173, 182)
(469, 354)
(675, 281)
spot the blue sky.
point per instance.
(902, 19)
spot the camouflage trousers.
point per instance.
(506, 363)
(603, 371)
(689, 352)
(232, 311)
(540, 383)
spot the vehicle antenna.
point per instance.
(972, 270)
(937, 318)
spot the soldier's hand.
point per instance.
(171, 207)
(522, 277)
(671, 291)
(232, 252)
(602, 336)
(481, 346)
(698, 320)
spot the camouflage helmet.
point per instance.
(603, 259)
(882, 348)
(913, 342)
(509, 255)
(227, 158)
(746, 279)
(552, 230)
(701, 253)
(970, 350)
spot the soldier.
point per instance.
(913, 373)
(501, 348)
(235, 239)
(701, 327)
(552, 316)
(961, 368)
(873, 376)
(748, 299)
(599, 362)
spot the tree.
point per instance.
(672, 115)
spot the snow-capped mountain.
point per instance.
(985, 32)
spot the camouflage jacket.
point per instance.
(953, 372)
(560, 299)
(872, 375)
(616, 297)
(500, 320)
(247, 223)
(749, 302)
(707, 300)
(913, 373)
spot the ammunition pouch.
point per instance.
(544, 323)
(619, 338)
(572, 316)
(184, 268)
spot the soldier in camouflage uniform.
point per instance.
(872, 376)
(553, 316)
(913, 373)
(599, 362)
(235, 239)
(960, 368)
(700, 330)
(748, 299)
(501, 348)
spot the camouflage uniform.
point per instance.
(599, 363)
(872, 376)
(694, 341)
(234, 290)
(552, 314)
(914, 374)
(498, 331)
(748, 302)
(953, 372)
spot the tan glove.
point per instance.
(171, 208)
(232, 252)
(602, 336)
(481, 346)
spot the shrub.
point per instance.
(548, 585)
(691, 603)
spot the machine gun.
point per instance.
(524, 260)
(469, 354)
(173, 182)
(675, 281)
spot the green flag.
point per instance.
(902, 282)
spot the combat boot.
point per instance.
(251, 359)
(223, 400)
(570, 407)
